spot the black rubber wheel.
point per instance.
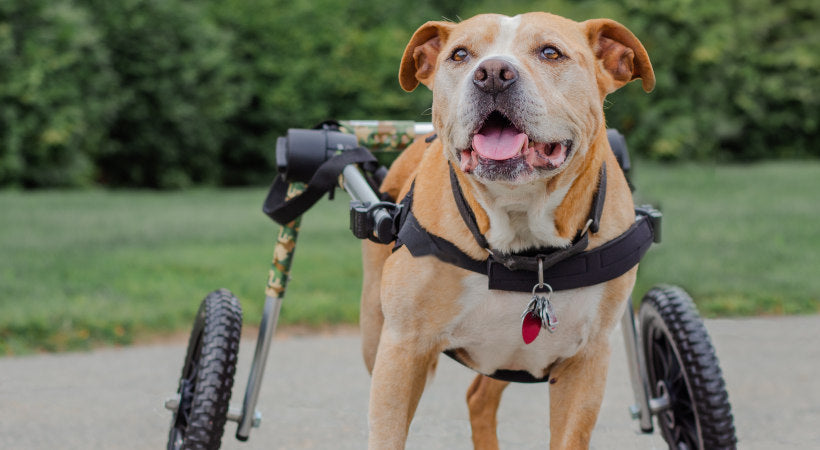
(207, 374)
(682, 364)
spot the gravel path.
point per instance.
(316, 387)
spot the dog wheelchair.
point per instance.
(674, 372)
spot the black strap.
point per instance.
(588, 268)
(544, 258)
(582, 269)
(466, 212)
(422, 243)
(598, 201)
(515, 376)
(324, 180)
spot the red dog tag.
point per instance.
(530, 326)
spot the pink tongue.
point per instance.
(493, 142)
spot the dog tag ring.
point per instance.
(548, 316)
(538, 314)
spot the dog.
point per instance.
(518, 114)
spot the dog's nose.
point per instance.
(494, 75)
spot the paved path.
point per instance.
(315, 396)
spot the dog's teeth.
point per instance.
(465, 161)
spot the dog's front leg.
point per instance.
(576, 391)
(398, 381)
(483, 399)
(418, 302)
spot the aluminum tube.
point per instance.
(356, 185)
(637, 368)
(422, 128)
(419, 128)
(267, 326)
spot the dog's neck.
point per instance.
(545, 213)
(548, 213)
(521, 217)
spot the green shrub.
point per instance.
(311, 60)
(57, 94)
(169, 93)
(736, 80)
(180, 83)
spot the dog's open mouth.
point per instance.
(499, 144)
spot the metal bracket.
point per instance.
(235, 415)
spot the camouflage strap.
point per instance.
(386, 139)
(283, 252)
(381, 135)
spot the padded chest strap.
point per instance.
(541, 258)
(566, 269)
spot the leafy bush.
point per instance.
(736, 80)
(311, 60)
(169, 93)
(180, 84)
(57, 94)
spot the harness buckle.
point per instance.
(586, 227)
(655, 217)
(374, 221)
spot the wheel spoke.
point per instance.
(660, 361)
(666, 367)
(675, 372)
(207, 378)
(675, 347)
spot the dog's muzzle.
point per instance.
(500, 149)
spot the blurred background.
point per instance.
(136, 138)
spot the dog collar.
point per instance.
(563, 268)
(543, 258)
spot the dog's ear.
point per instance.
(419, 60)
(621, 56)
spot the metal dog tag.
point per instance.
(538, 314)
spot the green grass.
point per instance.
(742, 239)
(80, 268)
(84, 267)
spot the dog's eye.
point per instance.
(551, 53)
(459, 55)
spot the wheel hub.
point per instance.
(668, 414)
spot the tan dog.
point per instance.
(518, 108)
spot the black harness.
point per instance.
(563, 268)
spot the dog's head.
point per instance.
(517, 99)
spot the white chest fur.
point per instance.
(522, 217)
(489, 327)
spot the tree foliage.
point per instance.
(737, 80)
(180, 83)
(308, 61)
(169, 93)
(57, 93)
